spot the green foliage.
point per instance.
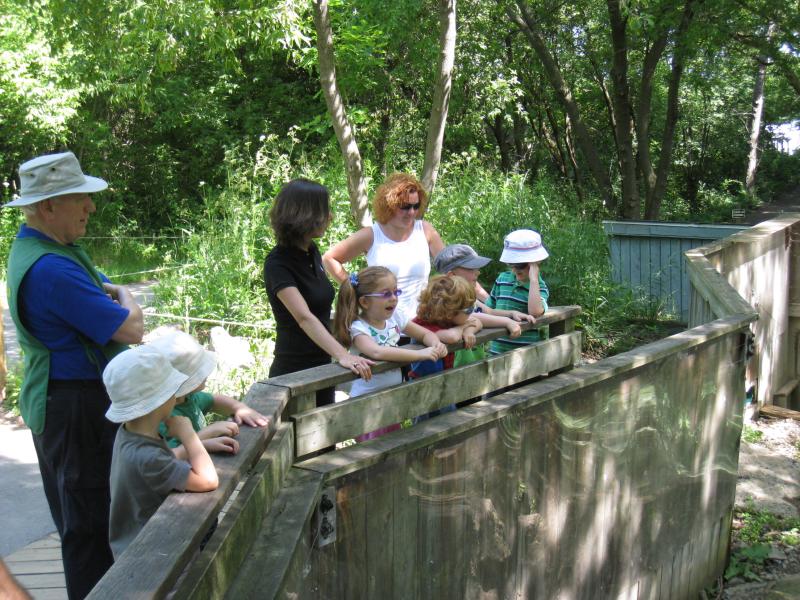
(744, 560)
(754, 533)
(751, 434)
(13, 385)
(221, 261)
(37, 100)
(778, 175)
(756, 525)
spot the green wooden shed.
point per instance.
(648, 257)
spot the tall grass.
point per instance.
(220, 276)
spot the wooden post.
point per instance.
(562, 327)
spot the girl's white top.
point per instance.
(410, 261)
(388, 336)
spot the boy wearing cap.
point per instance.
(463, 261)
(70, 321)
(513, 290)
(187, 356)
(142, 386)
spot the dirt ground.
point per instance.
(769, 480)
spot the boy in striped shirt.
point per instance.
(522, 251)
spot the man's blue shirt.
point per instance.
(57, 301)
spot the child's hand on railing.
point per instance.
(521, 316)
(513, 328)
(441, 350)
(470, 328)
(244, 415)
(220, 428)
(430, 353)
(221, 445)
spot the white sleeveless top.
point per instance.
(410, 261)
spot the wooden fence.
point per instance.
(648, 257)
(614, 479)
(763, 265)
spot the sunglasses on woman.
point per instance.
(385, 295)
(519, 266)
(408, 207)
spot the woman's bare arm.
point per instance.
(357, 244)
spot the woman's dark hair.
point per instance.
(300, 209)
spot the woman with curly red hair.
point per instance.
(399, 240)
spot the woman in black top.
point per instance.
(298, 289)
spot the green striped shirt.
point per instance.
(509, 294)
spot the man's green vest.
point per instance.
(33, 394)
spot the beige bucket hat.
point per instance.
(54, 175)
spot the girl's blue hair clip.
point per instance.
(354, 279)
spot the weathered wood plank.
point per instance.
(405, 577)
(486, 411)
(724, 300)
(327, 425)
(301, 403)
(781, 397)
(379, 545)
(56, 593)
(183, 519)
(213, 570)
(42, 580)
(275, 552)
(474, 454)
(351, 536)
(311, 380)
(35, 554)
(33, 567)
(778, 412)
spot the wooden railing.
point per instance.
(756, 271)
(151, 566)
(615, 479)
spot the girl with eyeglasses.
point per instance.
(367, 321)
(399, 240)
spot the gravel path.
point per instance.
(769, 480)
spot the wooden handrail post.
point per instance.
(562, 327)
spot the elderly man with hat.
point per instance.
(70, 322)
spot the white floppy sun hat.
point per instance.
(523, 246)
(138, 381)
(54, 175)
(188, 356)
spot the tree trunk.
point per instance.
(623, 116)
(356, 183)
(528, 26)
(656, 185)
(441, 94)
(499, 132)
(755, 121)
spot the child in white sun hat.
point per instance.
(142, 387)
(522, 288)
(190, 358)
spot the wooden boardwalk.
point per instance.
(38, 567)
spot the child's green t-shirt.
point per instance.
(468, 356)
(195, 407)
